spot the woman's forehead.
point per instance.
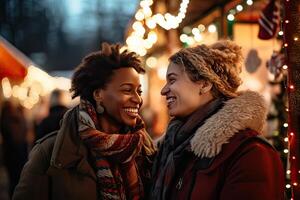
(125, 76)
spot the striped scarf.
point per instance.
(117, 170)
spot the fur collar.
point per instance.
(248, 110)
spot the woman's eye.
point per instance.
(126, 90)
(172, 80)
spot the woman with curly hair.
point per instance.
(211, 149)
(101, 150)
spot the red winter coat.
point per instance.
(225, 159)
(247, 168)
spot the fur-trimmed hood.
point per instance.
(248, 110)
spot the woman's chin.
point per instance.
(173, 113)
(131, 122)
(177, 114)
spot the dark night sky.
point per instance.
(56, 34)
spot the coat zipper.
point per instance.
(179, 183)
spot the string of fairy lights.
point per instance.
(144, 36)
(35, 85)
(191, 36)
(292, 172)
(144, 33)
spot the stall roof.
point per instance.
(199, 9)
(13, 63)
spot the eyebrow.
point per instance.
(129, 84)
(171, 74)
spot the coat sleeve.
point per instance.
(255, 173)
(33, 183)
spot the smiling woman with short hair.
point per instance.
(101, 150)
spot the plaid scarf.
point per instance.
(177, 141)
(117, 171)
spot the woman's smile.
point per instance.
(132, 112)
(170, 101)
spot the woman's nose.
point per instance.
(137, 98)
(164, 90)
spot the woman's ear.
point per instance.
(205, 87)
(97, 95)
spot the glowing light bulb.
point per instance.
(139, 15)
(183, 38)
(137, 26)
(212, 28)
(291, 134)
(151, 23)
(230, 17)
(284, 67)
(201, 27)
(239, 7)
(195, 31)
(151, 62)
(249, 2)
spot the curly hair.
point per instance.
(219, 63)
(96, 69)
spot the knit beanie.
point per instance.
(219, 63)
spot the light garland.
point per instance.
(6, 88)
(141, 40)
(291, 39)
(36, 84)
(197, 34)
(168, 21)
(194, 35)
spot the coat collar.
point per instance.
(68, 150)
(248, 110)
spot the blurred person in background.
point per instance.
(101, 150)
(14, 130)
(211, 149)
(58, 107)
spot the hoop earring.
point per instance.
(99, 108)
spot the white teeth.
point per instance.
(132, 110)
(170, 100)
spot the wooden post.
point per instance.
(223, 23)
(291, 22)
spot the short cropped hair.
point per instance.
(97, 68)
